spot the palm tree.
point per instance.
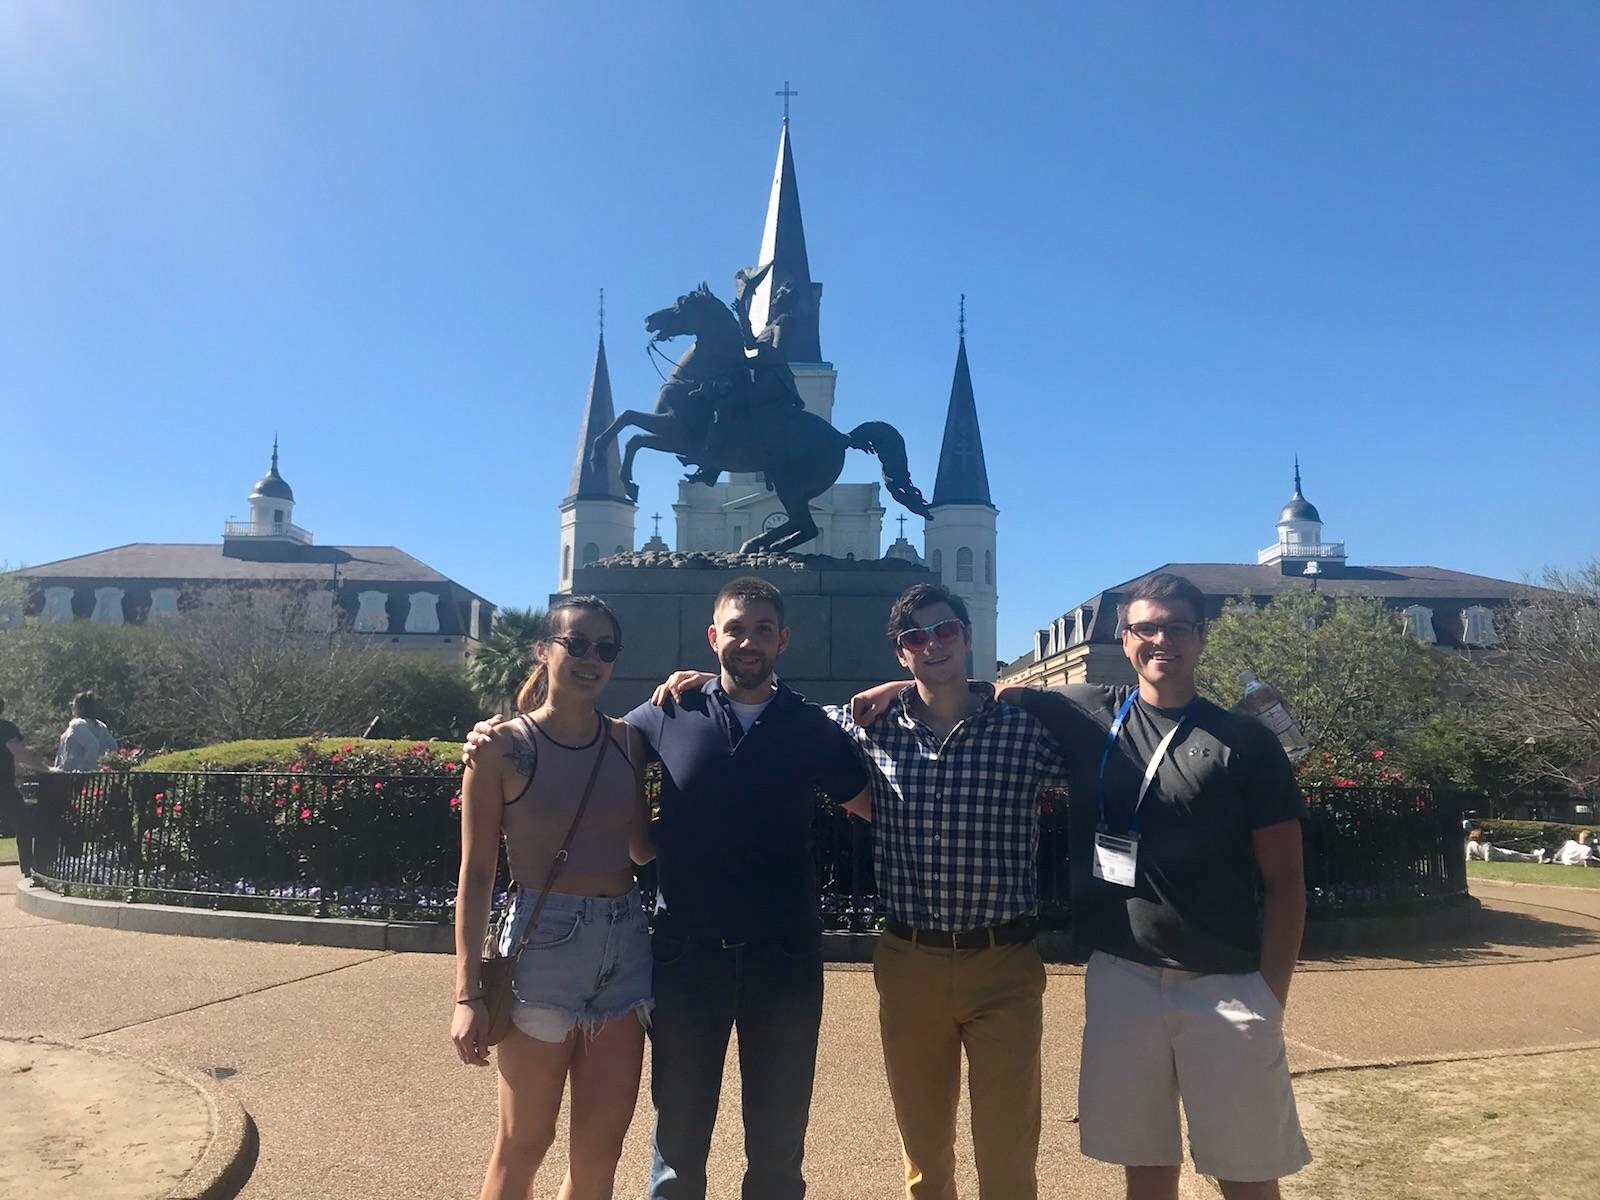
(505, 658)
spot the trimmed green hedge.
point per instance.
(1550, 833)
(275, 754)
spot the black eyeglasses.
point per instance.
(943, 632)
(1146, 631)
(579, 646)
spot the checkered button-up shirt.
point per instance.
(955, 822)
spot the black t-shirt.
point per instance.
(1194, 905)
(8, 763)
(734, 843)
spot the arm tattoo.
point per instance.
(523, 753)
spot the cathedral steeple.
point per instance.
(786, 293)
(603, 482)
(963, 476)
(960, 539)
(597, 516)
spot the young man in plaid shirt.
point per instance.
(955, 798)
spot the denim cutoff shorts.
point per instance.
(585, 963)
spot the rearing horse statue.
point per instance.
(800, 453)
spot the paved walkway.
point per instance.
(341, 1056)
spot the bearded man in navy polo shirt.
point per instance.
(737, 935)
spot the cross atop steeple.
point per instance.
(902, 519)
(656, 517)
(961, 327)
(602, 312)
(786, 94)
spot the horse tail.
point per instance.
(884, 440)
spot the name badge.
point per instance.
(1116, 859)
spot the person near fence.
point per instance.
(1179, 805)
(582, 984)
(737, 938)
(86, 739)
(14, 813)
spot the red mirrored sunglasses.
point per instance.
(944, 632)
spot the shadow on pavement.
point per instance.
(1499, 934)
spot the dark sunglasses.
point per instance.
(944, 632)
(1146, 631)
(579, 646)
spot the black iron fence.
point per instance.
(386, 846)
(326, 845)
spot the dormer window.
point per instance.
(1419, 623)
(1477, 627)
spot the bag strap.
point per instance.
(558, 864)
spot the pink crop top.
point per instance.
(536, 821)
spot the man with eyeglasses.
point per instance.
(1179, 808)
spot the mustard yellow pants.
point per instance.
(932, 1005)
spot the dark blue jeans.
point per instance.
(772, 993)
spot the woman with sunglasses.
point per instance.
(583, 974)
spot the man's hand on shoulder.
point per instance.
(678, 685)
(867, 706)
(480, 735)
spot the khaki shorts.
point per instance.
(1153, 1035)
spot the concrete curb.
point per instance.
(1352, 935)
(229, 1157)
(1357, 934)
(399, 936)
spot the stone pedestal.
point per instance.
(837, 611)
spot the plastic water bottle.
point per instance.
(1263, 702)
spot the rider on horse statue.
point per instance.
(740, 406)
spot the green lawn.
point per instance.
(8, 850)
(1514, 872)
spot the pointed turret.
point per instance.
(597, 516)
(960, 539)
(589, 481)
(963, 476)
(786, 294)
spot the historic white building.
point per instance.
(270, 566)
(597, 519)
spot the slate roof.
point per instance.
(604, 482)
(963, 476)
(1446, 592)
(160, 561)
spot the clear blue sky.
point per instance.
(1195, 239)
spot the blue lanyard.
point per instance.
(1150, 768)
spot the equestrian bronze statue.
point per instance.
(731, 404)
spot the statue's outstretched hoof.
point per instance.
(632, 489)
(706, 475)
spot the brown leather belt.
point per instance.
(1012, 933)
